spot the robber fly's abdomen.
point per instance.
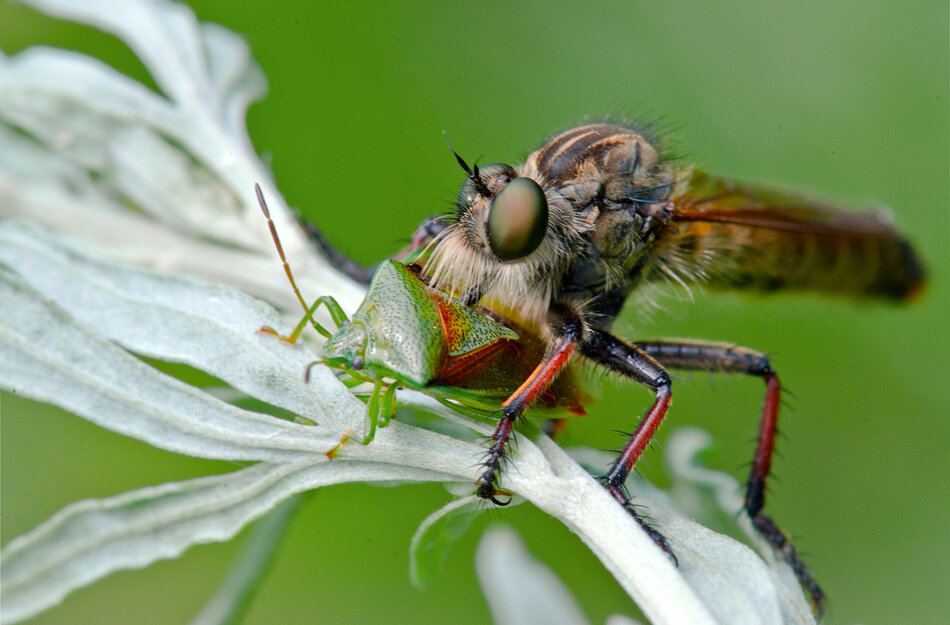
(877, 264)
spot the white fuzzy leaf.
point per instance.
(97, 140)
(520, 589)
(123, 135)
(90, 539)
(434, 537)
(194, 65)
(180, 320)
(49, 357)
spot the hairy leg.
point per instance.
(725, 358)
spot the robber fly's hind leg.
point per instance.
(725, 358)
(609, 351)
(568, 329)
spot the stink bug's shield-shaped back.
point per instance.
(412, 330)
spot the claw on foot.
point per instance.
(504, 493)
(272, 331)
(487, 490)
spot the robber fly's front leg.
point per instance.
(725, 358)
(568, 329)
(421, 237)
(625, 359)
(340, 261)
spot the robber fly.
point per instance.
(559, 242)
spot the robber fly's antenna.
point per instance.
(473, 174)
(280, 251)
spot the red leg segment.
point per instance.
(568, 331)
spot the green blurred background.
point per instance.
(846, 99)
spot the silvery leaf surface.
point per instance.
(520, 589)
(159, 179)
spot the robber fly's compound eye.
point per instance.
(518, 219)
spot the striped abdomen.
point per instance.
(756, 237)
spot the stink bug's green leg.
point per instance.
(352, 382)
(387, 408)
(336, 312)
(354, 378)
(372, 411)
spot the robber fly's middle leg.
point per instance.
(725, 358)
(629, 361)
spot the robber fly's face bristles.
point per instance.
(426, 251)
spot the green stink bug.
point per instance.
(406, 333)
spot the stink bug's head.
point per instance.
(347, 347)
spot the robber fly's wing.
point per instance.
(737, 235)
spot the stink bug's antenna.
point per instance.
(473, 174)
(290, 276)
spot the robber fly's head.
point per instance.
(510, 212)
(512, 235)
(586, 195)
